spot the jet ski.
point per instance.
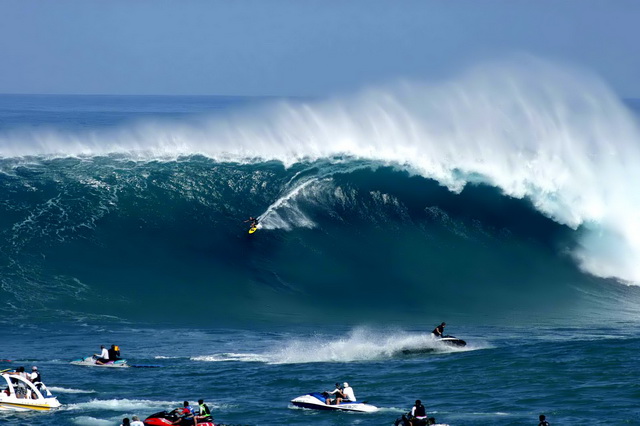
(407, 420)
(90, 361)
(315, 401)
(169, 417)
(451, 341)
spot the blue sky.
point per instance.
(299, 47)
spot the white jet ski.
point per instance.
(20, 394)
(315, 401)
(90, 361)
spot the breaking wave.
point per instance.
(520, 160)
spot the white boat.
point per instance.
(315, 401)
(22, 395)
(90, 361)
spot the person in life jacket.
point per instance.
(186, 414)
(114, 353)
(35, 377)
(205, 413)
(418, 411)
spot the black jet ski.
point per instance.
(407, 420)
(452, 341)
(436, 346)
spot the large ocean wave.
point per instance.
(483, 185)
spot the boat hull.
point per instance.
(26, 405)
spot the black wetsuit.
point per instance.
(438, 331)
(113, 354)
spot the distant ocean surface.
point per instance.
(505, 203)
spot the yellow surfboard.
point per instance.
(253, 229)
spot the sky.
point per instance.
(300, 47)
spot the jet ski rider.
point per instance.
(439, 330)
(336, 393)
(103, 357)
(186, 414)
(348, 393)
(418, 411)
(114, 353)
(205, 414)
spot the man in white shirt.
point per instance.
(349, 395)
(103, 357)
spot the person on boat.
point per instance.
(333, 396)
(186, 414)
(253, 221)
(418, 411)
(20, 387)
(349, 395)
(543, 420)
(126, 422)
(20, 372)
(103, 357)
(114, 353)
(439, 330)
(205, 414)
(35, 377)
(135, 421)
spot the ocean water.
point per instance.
(503, 201)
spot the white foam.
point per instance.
(91, 421)
(285, 213)
(121, 405)
(361, 344)
(231, 357)
(56, 389)
(552, 134)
